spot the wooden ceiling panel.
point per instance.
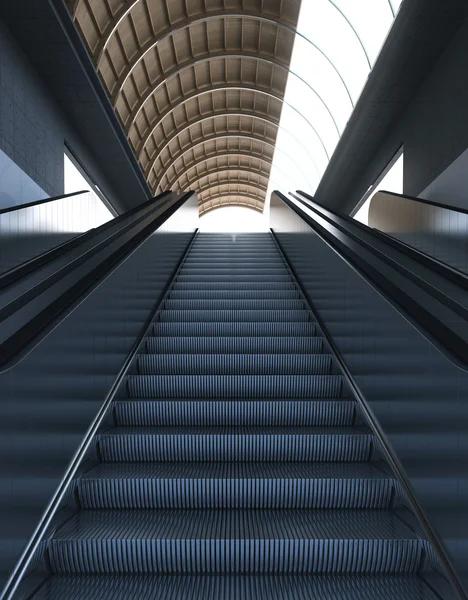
(198, 86)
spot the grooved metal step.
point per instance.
(287, 294)
(234, 364)
(235, 541)
(282, 284)
(235, 485)
(230, 277)
(234, 304)
(129, 444)
(236, 587)
(232, 316)
(234, 345)
(234, 386)
(235, 412)
(242, 329)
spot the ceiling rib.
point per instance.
(153, 43)
(218, 56)
(242, 115)
(234, 88)
(205, 110)
(233, 136)
(173, 183)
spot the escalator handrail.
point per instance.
(454, 275)
(26, 335)
(9, 209)
(20, 271)
(391, 457)
(450, 344)
(429, 202)
(21, 567)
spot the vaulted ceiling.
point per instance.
(198, 86)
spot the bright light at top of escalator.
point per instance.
(335, 49)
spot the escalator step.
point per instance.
(234, 386)
(234, 304)
(252, 329)
(230, 277)
(236, 412)
(283, 284)
(234, 364)
(203, 294)
(236, 587)
(232, 316)
(234, 345)
(235, 541)
(235, 485)
(234, 444)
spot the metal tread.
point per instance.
(235, 485)
(234, 315)
(240, 329)
(212, 412)
(235, 541)
(234, 345)
(236, 587)
(201, 294)
(234, 386)
(234, 304)
(129, 444)
(234, 364)
(285, 284)
(236, 524)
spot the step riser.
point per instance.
(231, 277)
(235, 556)
(234, 386)
(234, 493)
(219, 330)
(243, 448)
(233, 304)
(233, 294)
(244, 345)
(240, 587)
(235, 286)
(229, 316)
(234, 364)
(240, 413)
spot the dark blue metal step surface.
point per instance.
(264, 412)
(235, 464)
(236, 587)
(235, 364)
(235, 541)
(242, 345)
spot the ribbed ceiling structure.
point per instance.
(212, 93)
(198, 86)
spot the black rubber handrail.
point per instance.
(447, 271)
(38, 202)
(39, 534)
(392, 459)
(29, 333)
(446, 339)
(430, 202)
(20, 271)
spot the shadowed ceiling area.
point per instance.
(233, 98)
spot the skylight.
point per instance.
(336, 46)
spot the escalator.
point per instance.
(236, 461)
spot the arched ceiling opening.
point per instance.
(231, 97)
